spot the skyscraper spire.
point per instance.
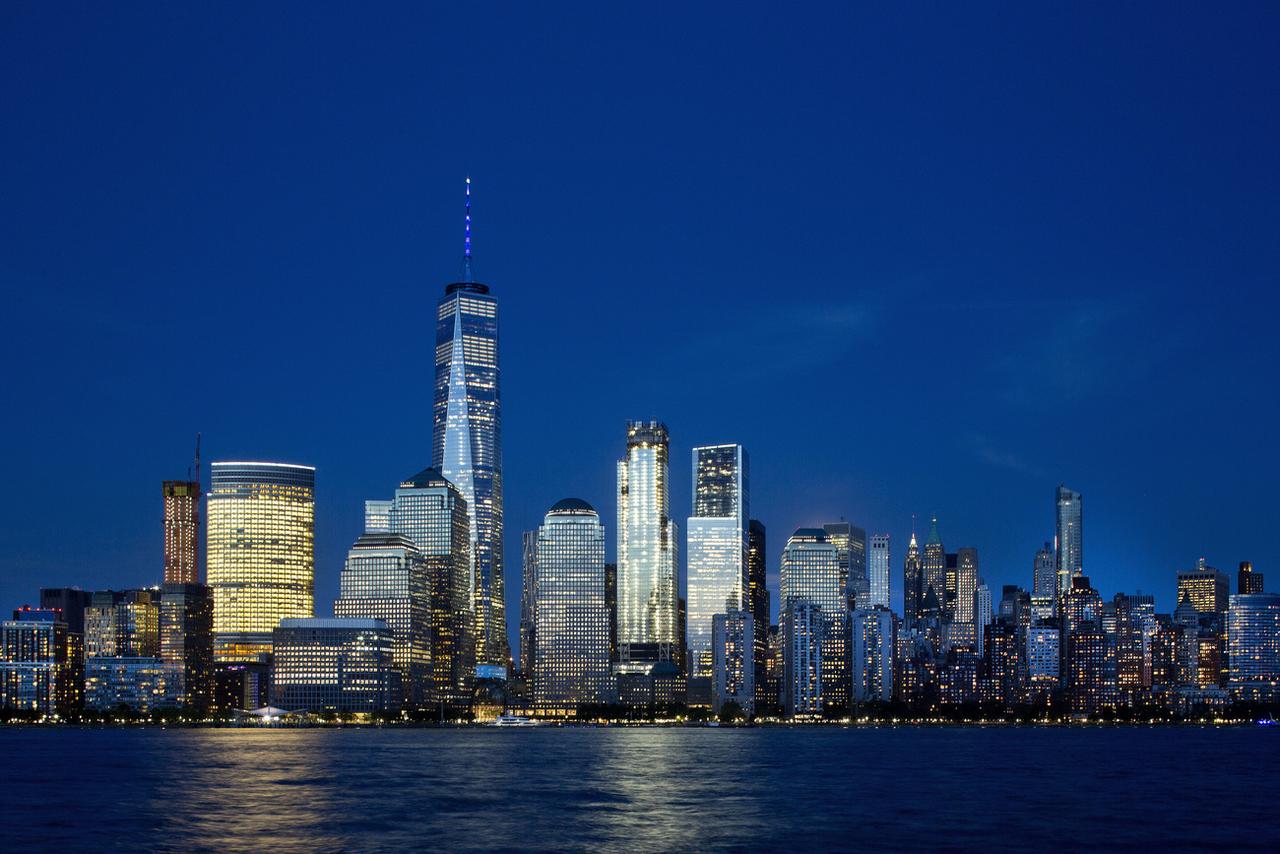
(466, 242)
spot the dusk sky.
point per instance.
(926, 259)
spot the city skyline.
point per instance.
(1087, 323)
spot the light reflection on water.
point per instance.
(637, 789)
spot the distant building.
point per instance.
(1070, 539)
(717, 546)
(333, 664)
(647, 548)
(570, 663)
(1086, 669)
(261, 553)
(933, 569)
(122, 623)
(1043, 655)
(386, 578)
(1253, 642)
(1135, 626)
(981, 613)
(851, 550)
(1045, 573)
(873, 639)
(70, 604)
(733, 671)
(139, 683)
(186, 643)
(36, 670)
(758, 604)
(878, 571)
(1208, 588)
(181, 531)
(1248, 581)
(961, 582)
(912, 584)
(803, 629)
(812, 571)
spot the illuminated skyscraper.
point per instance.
(1208, 588)
(851, 549)
(647, 556)
(758, 598)
(467, 442)
(878, 571)
(1044, 577)
(803, 632)
(717, 546)
(431, 512)
(333, 664)
(933, 567)
(569, 610)
(261, 552)
(733, 661)
(36, 670)
(181, 532)
(912, 583)
(873, 640)
(1247, 580)
(1253, 662)
(385, 578)
(961, 584)
(811, 571)
(186, 643)
(1070, 539)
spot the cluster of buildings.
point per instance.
(419, 626)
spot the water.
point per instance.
(547, 789)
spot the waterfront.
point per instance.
(641, 789)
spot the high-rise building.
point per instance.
(186, 643)
(1045, 573)
(878, 571)
(733, 670)
(1253, 644)
(851, 549)
(122, 623)
(467, 442)
(758, 600)
(873, 642)
(569, 610)
(1248, 582)
(261, 552)
(611, 606)
(332, 664)
(803, 630)
(70, 604)
(717, 546)
(912, 583)
(528, 542)
(432, 513)
(1208, 588)
(36, 672)
(1069, 552)
(933, 567)
(1044, 646)
(812, 571)
(181, 531)
(141, 683)
(961, 580)
(386, 578)
(1135, 627)
(647, 559)
(982, 613)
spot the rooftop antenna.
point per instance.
(466, 242)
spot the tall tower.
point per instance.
(467, 441)
(261, 549)
(1070, 539)
(912, 581)
(717, 546)
(812, 570)
(647, 557)
(878, 571)
(182, 527)
(1044, 573)
(758, 597)
(933, 568)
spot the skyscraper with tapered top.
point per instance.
(467, 443)
(933, 567)
(647, 556)
(912, 581)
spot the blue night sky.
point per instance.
(934, 262)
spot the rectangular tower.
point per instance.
(181, 532)
(717, 546)
(647, 556)
(1070, 539)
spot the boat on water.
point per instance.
(515, 720)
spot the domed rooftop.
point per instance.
(572, 505)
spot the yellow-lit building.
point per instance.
(261, 553)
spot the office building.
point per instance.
(432, 514)
(758, 604)
(386, 578)
(1069, 544)
(982, 612)
(181, 531)
(961, 581)
(812, 571)
(1135, 624)
(565, 572)
(122, 623)
(933, 568)
(803, 630)
(851, 550)
(261, 553)
(1207, 587)
(1253, 644)
(1248, 582)
(717, 546)
(333, 664)
(1044, 645)
(141, 684)
(1044, 573)
(912, 583)
(36, 670)
(733, 669)
(872, 647)
(647, 551)
(186, 643)
(878, 571)
(70, 603)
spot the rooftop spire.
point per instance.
(466, 241)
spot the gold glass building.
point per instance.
(260, 554)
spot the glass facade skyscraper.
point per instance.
(717, 546)
(1070, 540)
(181, 531)
(564, 569)
(933, 567)
(758, 598)
(261, 552)
(1253, 647)
(878, 571)
(432, 514)
(804, 678)
(912, 583)
(467, 447)
(332, 664)
(385, 578)
(1044, 572)
(873, 638)
(812, 571)
(647, 552)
